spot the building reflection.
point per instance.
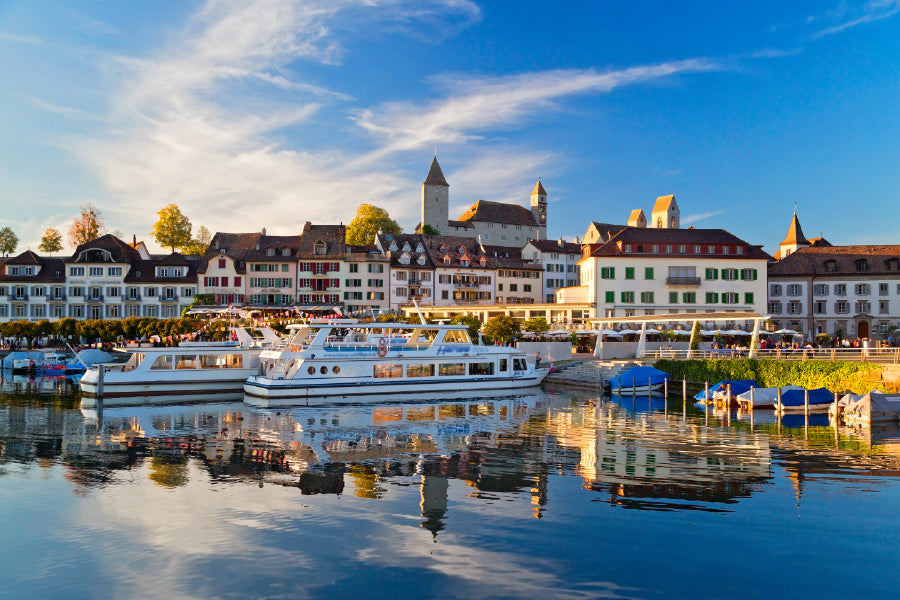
(644, 460)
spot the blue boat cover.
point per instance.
(737, 387)
(817, 396)
(638, 376)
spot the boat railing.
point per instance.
(875, 355)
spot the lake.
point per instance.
(554, 493)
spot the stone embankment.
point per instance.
(588, 372)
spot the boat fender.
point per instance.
(382, 351)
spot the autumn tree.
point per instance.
(87, 226)
(8, 241)
(537, 326)
(473, 323)
(501, 328)
(369, 219)
(51, 241)
(173, 230)
(199, 243)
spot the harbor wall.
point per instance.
(550, 351)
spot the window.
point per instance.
(819, 307)
(842, 307)
(830, 266)
(712, 297)
(607, 273)
(730, 298)
(648, 272)
(420, 370)
(840, 289)
(729, 274)
(794, 289)
(862, 265)
(863, 307)
(775, 289)
(795, 308)
(689, 297)
(882, 289)
(862, 289)
(748, 274)
(712, 274)
(629, 272)
(114, 271)
(452, 369)
(646, 297)
(95, 271)
(76, 271)
(627, 297)
(775, 308)
(820, 289)
(673, 297)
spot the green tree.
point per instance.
(66, 327)
(429, 230)
(173, 230)
(51, 241)
(695, 337)
(87, 226)
(473, 323)
(8, 241)
(199, 243)
(369, 219)
(501, 328)
(537, 325)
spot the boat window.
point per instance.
(336, 369)
(519, 364)
(133, 362)
(186, 361)
(323, 369)
(420, 370)
(481, 368)
(163, 362)
(457, 336)
(387, 371)
(209, 361)
(311, 370)
(504, 364)
(233, 361)
(452, 369)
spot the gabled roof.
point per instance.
(413, 239)
(277, 243)
(435, 175)
(689, 237)
(173, 260)
(486, 211)
(795, 235)
(605, 230)
(26, 258)
(233, 245)
(663, 203)
(144, 271)
(53, 270)
(334, 237)
(433, 244)
(539, 189)
(119, 250)
(554, 246)
(880, 260)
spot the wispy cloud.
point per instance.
(876, 10)
(502, 101)
(20, 39)
(700, 217)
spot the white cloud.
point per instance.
(876, 10)
(20, 39)
(699, 217)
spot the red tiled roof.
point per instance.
(486, 211)
(838, 261)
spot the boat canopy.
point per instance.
(638, 376)
(816, 396)
(738, 386)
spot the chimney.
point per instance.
(263, 233)
(134, 238)
(576, 239)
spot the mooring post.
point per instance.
(806, 403)
(779, 408)
(684, 398)
(100, 372)
(706, 403)
(666, 395)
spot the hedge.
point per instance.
(855, 377)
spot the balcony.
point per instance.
(19, 298)
(683, 281)
(134, 298)
(60, 298)
(168, 299)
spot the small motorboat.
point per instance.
(820, 400)
(762, 398)
(874, 407)
(718, 392)
(638, 380)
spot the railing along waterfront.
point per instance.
(875, 355)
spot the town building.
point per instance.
(645, 271)
(411, 272)
(559, 261)
(494, 223)
(105, 278)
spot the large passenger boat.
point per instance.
(190, 372)
(342, 360)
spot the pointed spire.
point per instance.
(435, 176)
(539, 189)
(795, 235)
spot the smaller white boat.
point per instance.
(190, 372)
(763, 398)
(50, 363)
(874, 407)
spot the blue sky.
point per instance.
(269, 113)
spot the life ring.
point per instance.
(382, 351)
(382, 342)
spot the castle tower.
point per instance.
(436, 199)
(539, 206)
(665, 214)
(794, 240)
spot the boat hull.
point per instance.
(118, 392)
(265, 393)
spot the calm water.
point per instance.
(557, 494)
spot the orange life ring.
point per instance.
(382, 351)
(382, 342)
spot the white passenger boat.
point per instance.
(345, 361)
(190, 372)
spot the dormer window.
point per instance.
(464, 262)
(830, 266)
(403, 259)
(462, 249)
(320, 247)
(420, 248)
(862, 265)
(893, 264)
(444, 249)
(407, 247)
(393, 247)
(270, 252)
(446, 259)
(483, 261)
(421, 259)
(285, 251)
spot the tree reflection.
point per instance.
(169, 471)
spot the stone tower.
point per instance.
(665, 214)
(436, 199)
(539, 206)
(794, 240)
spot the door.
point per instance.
(862, 330)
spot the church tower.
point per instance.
(539, 207)
(665, 214)
(436, 199)
(794, 240)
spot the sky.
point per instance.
(252, 114)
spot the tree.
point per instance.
(173, 230)
(429, 230)
(501, 328)
(8, 241)
(537, 325)
(199, 243)
(473, 323)
(369, 219)
(87, 226)
(51, 242)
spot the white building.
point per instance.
(559, 261)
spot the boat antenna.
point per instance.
(418, 311)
